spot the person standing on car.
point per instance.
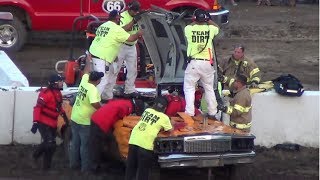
(87, 102)
(238, 63)
(140, 156)
(45, 117)
(105, 48)
(200, 35)
(101, 124)
(128, 50)
(240, 105)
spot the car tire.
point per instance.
(13, 35)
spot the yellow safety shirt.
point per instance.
(82, 108)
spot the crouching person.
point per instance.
(45, 116)
(240, 105)
(140, 156)
(102, 122)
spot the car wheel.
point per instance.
(13, 35)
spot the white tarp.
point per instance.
(10, 73)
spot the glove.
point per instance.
(34, 127)
(220, 77)
(253, 85)
(222, 108)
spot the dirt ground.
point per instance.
(279, 39)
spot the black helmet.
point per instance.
(134, 6)
(201, 15)
(55, 78)
(95, 75)
(160, 103)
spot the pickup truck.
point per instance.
(48, 15)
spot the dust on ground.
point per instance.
(280, 39)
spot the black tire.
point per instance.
(66, 142)
(13, 35)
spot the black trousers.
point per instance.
(48, 145)
(139, 163)
(97, 140)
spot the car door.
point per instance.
(166, 44)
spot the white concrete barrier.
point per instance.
(25, 100)
(10, 73)
(276, 119)
(280, 119)
(6, 116)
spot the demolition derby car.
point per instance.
(201, 142)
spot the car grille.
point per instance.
(211, 145)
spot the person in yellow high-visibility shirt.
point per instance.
(141, 142)
(199, 37)
(105, 48)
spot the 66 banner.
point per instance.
(109, 5)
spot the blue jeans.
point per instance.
(79, 149)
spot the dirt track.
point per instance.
(279, 39)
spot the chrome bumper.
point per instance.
(220, 17)
(205, 160)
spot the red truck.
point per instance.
(58, 15)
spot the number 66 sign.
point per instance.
(109, 5)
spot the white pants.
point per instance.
(100, 66)
(128, 54)
(203, 71)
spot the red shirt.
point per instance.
(177, 104)
(111, 112)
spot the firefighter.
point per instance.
(45, 116)
(240, 105)
(238, 63)
(140, 156)
(105, 48)
(200, 36)
(101, 124)
(128, 50)
(87, 101)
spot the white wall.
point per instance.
(276, 119)
(280, 119)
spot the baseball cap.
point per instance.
(55, 78)
(95, 75)
(113, 14)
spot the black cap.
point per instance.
(201, 15)
(241, 78)
(134, 6)
(95, 75)
(55, 78)
(113, 14)
(138, 106)
(160, 103)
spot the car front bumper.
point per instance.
(204, 160)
